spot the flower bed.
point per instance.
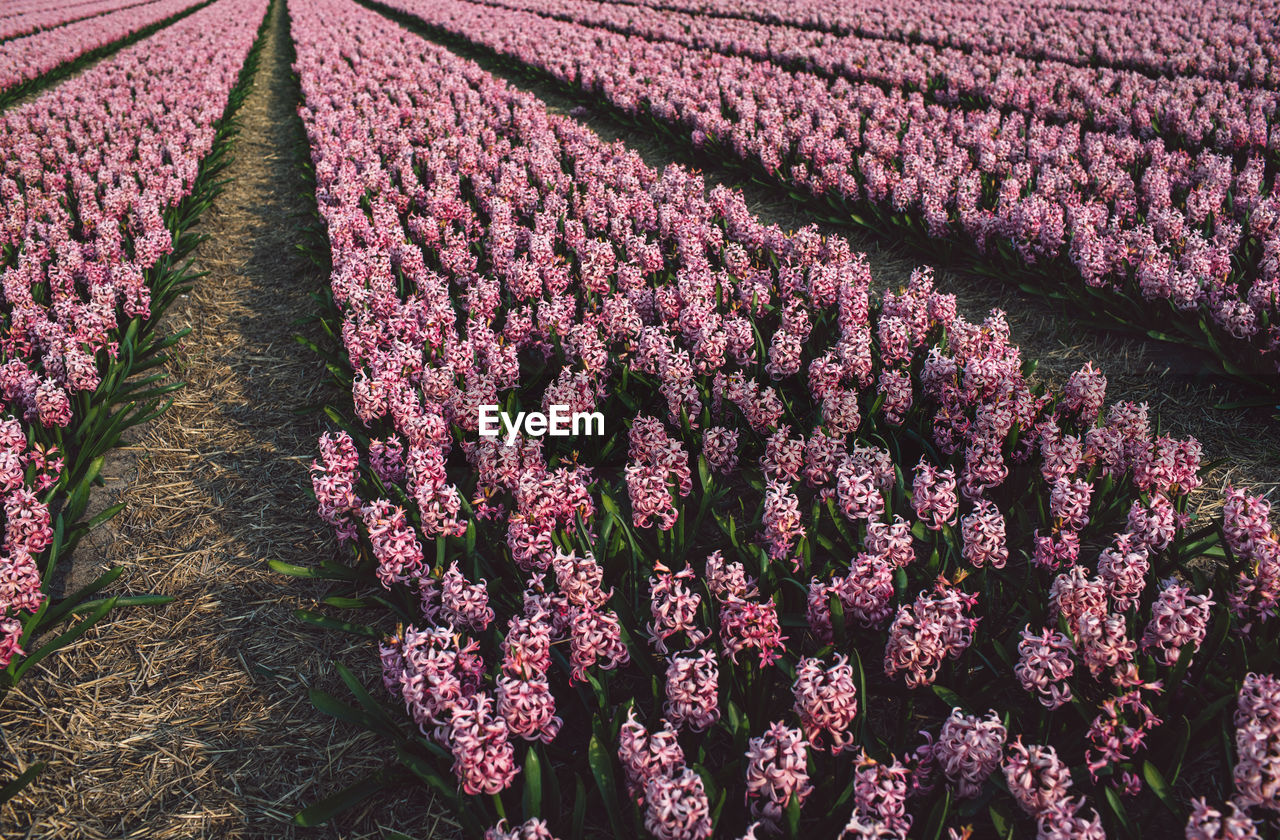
(1186, 112)
(836, 564)
(1184, 247)
(44, 17)
(1234, 41)
(102, 180)
(26, 59)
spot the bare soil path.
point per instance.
(193, 720)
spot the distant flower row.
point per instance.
(1233, 40)
(29, 57)
(24, 22)
(1187, 111)
(88, 172)
(839, 559)
(1196, 233)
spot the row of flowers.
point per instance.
(25, 20)
(835, 555)
(1097, 216)
(102, 179)
(28, 58)
(1233, 41)
(1187, 112)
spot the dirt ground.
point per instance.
(193, 720)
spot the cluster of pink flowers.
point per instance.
(1120, 729)
(87, 171)
(924, 634)
(1045, 665)
(1040, 783)
(84, 226)
(693, 697)
(826, 700)
(656, 462)
(674, 797)
(1162, 38)
(1249, 535)
(19, 18)
(777, 771)
(1189, 110)
(1037, 778)
(880, 801)
(1139, 216)
(934, 497)
(531, 829)
(1177, 620)
(968, 750)
(28, 529)
(1206, 823)
(476, 237)
(1257, 771)
(48, 45)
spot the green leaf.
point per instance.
(1180, 752)
(532, 785)
(344, 603)
(793, 816)
(363, 697)
(77, 598)
(1156, 781)
(126, 601)
(602, 768)
(106, 514)
(335, 708)
(15, 787)
(949, 697)
(938, 817)
(329, 623)
(312, 572)
(64, 639)
(1002, 824)
(1117, 808)
(329, 807)
(579, 808)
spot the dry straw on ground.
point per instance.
(193, 720)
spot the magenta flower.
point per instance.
(483, 756)
(982, 533)
(750, 623)
(1177, 620)
(1045, 665)
(395, 544)
(1257, 719)
(826, 700)
(693, 690)
(674, 608)
(969, 749)
(927, 632)
(646, 756)
(934, 495)
(1037, 778)
(531, 829)
(777, 769)
(879, 801)
(1205, 823)
(677, 808)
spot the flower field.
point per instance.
(817, 549)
